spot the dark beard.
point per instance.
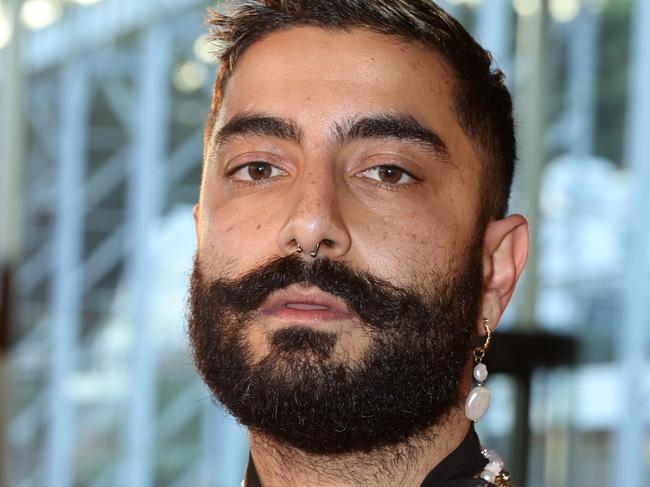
(406, 382)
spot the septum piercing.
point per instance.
(314, 253)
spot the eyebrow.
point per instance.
(253, 123)
(399, 127)
(395, 126)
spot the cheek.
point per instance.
(418, 242)
(234, 241)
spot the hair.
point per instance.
(482, 101)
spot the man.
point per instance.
(353, 251)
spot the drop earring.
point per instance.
(478, 399)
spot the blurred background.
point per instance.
(102, 106)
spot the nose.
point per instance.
(315, 226)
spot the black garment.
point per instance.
(458, 469)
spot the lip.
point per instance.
(298, 304)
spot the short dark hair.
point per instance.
(482, 101)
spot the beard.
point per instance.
(406, 381)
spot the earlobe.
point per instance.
(505, 250)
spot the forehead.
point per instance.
(353, 55)
(324, 62)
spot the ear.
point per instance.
(195, 213)
(505, 250)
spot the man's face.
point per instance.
(349, 140)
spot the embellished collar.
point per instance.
(458, 469)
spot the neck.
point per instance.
(405, 464)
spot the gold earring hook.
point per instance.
(479, 352)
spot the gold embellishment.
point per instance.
(479, 352)
(502, 480)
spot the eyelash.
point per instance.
(392, 187)
(231, 172)
(389, 186)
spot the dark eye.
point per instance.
(256, 171)
(259, 170)
(393, 175)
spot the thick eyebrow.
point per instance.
(393, 126)
(399, 127)
(247, 124)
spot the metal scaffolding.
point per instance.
(66, 289)
(146, 182)
(100, 163)
(630, 468)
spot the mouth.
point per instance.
(300, 305)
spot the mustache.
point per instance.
(379, 303)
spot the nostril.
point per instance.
(328, 242)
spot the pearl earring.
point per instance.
(478, 400)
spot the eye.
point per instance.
(389, 174)
(255, 171)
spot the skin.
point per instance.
(321, 188)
